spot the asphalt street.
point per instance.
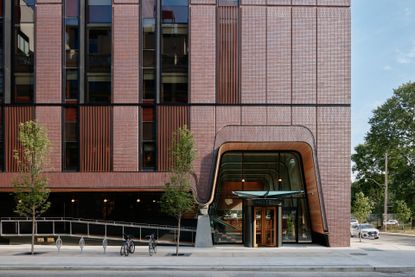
(199, 274)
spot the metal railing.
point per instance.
(90, 228)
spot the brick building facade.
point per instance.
(248, 76)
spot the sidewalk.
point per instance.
(360, 257)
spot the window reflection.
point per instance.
(71, 8)
(174, 51)
(99, 11)
(23, 51)
(24, 11)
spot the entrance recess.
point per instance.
(265, 226)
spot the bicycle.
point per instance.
(127, 246)
(152, 245)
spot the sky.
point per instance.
(383, 56)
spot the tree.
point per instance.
(361, 208)
(30, 187)
(177, 198)
(392, 130)
(403, 212)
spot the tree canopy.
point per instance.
(392, 130)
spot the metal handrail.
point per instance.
(88, 222)
(95, 221)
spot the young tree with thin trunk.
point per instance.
(177, 198)
(30, 187)
(403, 212)
(361, 209)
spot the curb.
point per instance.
(293, 268)
(398, 234)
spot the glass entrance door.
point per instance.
(265, 226)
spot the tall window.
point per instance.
(71, 85)
(23, 51)
(1, 82)
(149, 49)
(1, 140)
(71, 139)
(174, 51)
(148, 139)
(71, 44)
(1, 52)
(148, 67)
(98, 56)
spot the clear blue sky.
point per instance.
(383, 55)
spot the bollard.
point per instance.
(82, 244)
(59, 244)
(105, 244)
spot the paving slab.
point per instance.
(365, 256)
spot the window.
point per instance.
(148, 139)
(71, 140)
(149, 56)
(1, 140)
(98, 51)
(23, 51)
(71, 8)
(72, 46)
(99, 11)
(1, 61)
(260, 171)
(174, 51)
(99, 89)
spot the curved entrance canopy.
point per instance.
(265, 194)
(278, 159)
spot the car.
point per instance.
(366, 230)
(353, 221)
(391, 222)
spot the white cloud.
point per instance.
(407, 12)
(406, 57)
(387, 68)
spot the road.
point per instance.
(199, 274)
(403, 240)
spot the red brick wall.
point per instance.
(333, 144)
(255, 115)
(202, 124)
(48, 52)
(304, 55)
(253, 54)
(202, 54)
(304, 2)
(334, 55)
(345, 3)
(125, 52)
(126, 139)
(278, 115)
(228, 116)
(50, 119)
(278, 55)
(126, 85)
(305, 116)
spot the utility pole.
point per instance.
(385, 212)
